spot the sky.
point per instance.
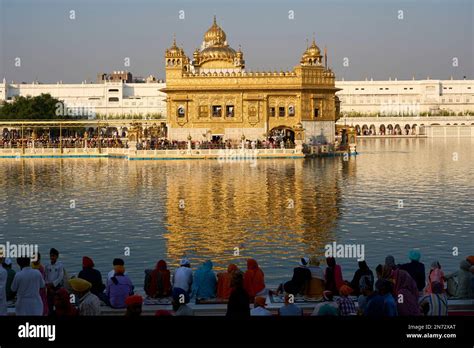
(379, 39)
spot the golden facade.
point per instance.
(213, 96)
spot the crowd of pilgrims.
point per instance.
(142, 144)
(395, 290)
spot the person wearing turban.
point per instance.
(93, 276)
(89, 304)
(345, 303)
(134, 306)
(415, 269)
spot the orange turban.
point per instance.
(345, 290)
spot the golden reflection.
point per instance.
(288, 206)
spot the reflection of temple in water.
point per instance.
(286, 207)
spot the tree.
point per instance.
(42, 107)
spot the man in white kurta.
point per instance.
(3, 290)
(27, 284)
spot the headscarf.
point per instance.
(224, 280)
(62, 303)
(87, 262)
(161, 265)
(414, 255)
(204, 282)
(345, 290)
(406, 286)
(160, 284)
(254, 279)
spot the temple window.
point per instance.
(181, 111)
(291, 110)
(229, 110)
(272, 111)
(281, 111)
(316, 112)
(216, 110)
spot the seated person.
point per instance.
(254, 279)
(315, 287)
(301, 277)
(204, 285)
(119, 287)
(224, 280)
(159, 281)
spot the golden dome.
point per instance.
(224, 52)
(312, 51)
(215, 36)
(174, 50)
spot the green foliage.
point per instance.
(42, 107)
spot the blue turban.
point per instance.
(414, 255)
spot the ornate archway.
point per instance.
(282, 133)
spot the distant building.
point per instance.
(111, 99)
(116, 76)
(406, 97)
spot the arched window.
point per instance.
(291, 110)
(181, 111)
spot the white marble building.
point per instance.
(113, 99)
(391, 98)
(406, 98)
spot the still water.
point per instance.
(395, 195)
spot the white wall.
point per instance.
(406, 97)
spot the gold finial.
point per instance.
(307, 43)
(215, 22)
(174, 39)
(314, 38)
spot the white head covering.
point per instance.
(184, 261)
(304, 261)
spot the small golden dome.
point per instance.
(312, 51)
(215, 35)
(174, 50)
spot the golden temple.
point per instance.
(213, 97)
